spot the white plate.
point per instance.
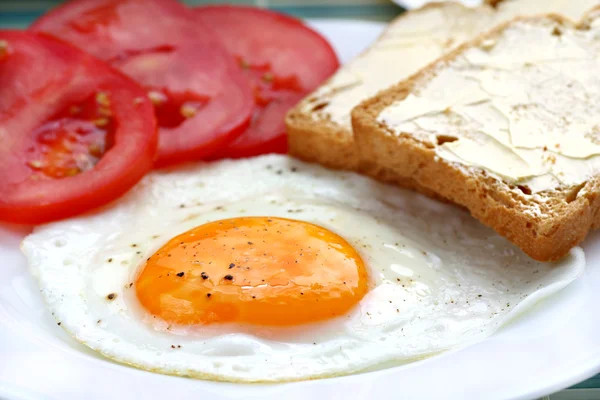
(412, 4)
(551, 348)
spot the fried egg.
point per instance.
(270, 269)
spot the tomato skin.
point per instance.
(265, 136)
(284, 59)
(40, 77)
(160, 45)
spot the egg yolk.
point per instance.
(256, 270)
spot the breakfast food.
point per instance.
(319, 128)
(197, 273)
(74, 133)
(202, 99)
(271, 269)
(204, 76)
(506, 126)
(284, 59)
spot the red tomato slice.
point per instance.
(202, 99)
(74, 132)
(284, 59)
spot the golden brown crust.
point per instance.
(332, 145)
(320, 141)
(546, 231)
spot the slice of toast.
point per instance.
(319, 128)
(508, 126)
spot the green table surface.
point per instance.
(20, 13)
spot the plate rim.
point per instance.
(583, 370)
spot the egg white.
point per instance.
(439, 279)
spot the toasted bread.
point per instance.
(507, 126)
(319, 128)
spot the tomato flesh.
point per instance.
(202, 99)
(284, 60)
(172, 109)
(72, 142)
(74, 133)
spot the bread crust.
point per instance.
(332, 145)
(566, 217)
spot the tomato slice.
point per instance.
(74, 132)
(284, 59)
(202, 99)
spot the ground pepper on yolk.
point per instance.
(256, 270)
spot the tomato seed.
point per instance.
(35, 164)
(102, 99)
(188, 111)
(156, 97)
(4, 49)
(100, 122)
